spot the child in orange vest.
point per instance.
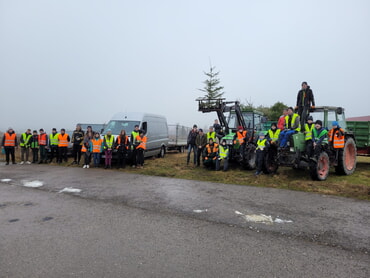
(97, 148)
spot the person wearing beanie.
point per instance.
(210, 154)
(319, 138)
(308, 129)
(262, 146)
(336, 136)
(305, 101)
(273, 134)
(63, 140)
(200, 142)
(34, 142)
(191, 144)
(9, 143)
(43, 143)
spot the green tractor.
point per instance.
(344, 160)
(230, 117)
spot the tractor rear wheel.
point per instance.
(249, 157)
(347, 158)
(319, 170)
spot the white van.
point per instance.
(154, 126)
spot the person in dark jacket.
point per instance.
(191, 144)
(77, 141)
(305, 101)
(200, 142)
(34, 143)
(9, 144)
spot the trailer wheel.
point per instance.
(319, 170)
(347, 158)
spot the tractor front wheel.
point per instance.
(319, 170)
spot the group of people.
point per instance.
(89, 144)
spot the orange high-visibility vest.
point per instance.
(338, 142)
(142, 142)
(241, 136)
(83, 149)
(63, 140)
(119, 141)
(212, 150)
(10, 139)
(42, 139)
(97, 145)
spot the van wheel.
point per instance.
(162, 152)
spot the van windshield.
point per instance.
(117, 126)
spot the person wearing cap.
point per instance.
(9, 143)
(292, 125)
(305, 101)
(63, 140)
(210, 154)
(34, 143)
(192, 136)
(25, 146)
(108, 143)
(77, 141)
(273, 134)
(223, 156)
(141, 140)
(319, 137)
(43, 143)
(97, 148)
(308, 129)
(200, 142)
(134, 134)
(261, 149)
(53, 145)
(336, 136)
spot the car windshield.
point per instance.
(117, 126)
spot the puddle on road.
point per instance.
(262, 218)
(47, 218)
(32, 184)
(6, 180)
(70, 190)
(13, 220)
(200, 210)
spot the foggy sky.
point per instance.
(63, 62)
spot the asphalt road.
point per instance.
(127, 225)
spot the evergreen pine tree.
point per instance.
(212, 88)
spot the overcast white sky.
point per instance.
(63, 62)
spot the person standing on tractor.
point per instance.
(308, 129)
(262, 146)
(77, 140)
(292, 125)
(108, 148)
(281, 121)
(336, 138)
(191, 144)
(210, 154)
(223, 155)
(9, 144)
(200, 142)
(319, 137)
(53, 145)
(25, 146)
(305, 101)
